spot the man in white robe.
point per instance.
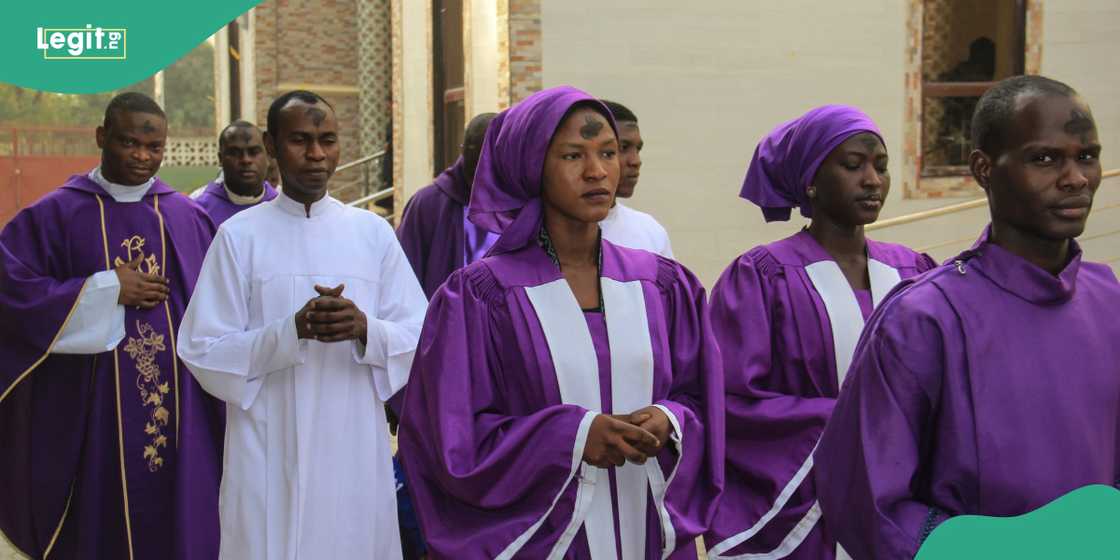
(623, 225)
(304, 320)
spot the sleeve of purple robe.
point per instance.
(870, 456)
(481, 476)
(228, 358)
(770, 434)
(36, 299)
(695, 403)
(42, 395)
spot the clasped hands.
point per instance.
(139, 289)
(329, 317)
(616, 438)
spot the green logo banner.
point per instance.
(1081, 524)
(71, 46)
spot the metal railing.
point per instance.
(359, 161)
(370, 199)
(367, 180)
(950, 209)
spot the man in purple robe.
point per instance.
(111, 449)
(434, 231)
(991, 385)
(242, 183)
(551, 370)
(787, 316)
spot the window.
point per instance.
(967, 46)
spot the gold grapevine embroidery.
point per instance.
(143, 351)
(134, 247)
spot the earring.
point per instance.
(811, 192)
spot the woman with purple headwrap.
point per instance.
(787, 316)
(566, 399)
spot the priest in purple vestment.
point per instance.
(434, 231)
(787, 316)
(991, 385)
(242, 183)
(566, 399)
(111, 449)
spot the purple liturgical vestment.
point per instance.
(118, 454)
(787, 321)
(988, 386)
(434, 232)
(510, 373)
(215, 200)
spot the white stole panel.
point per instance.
(844, 315)
(577, 374)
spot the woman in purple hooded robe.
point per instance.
(566, 399)
(787, 316)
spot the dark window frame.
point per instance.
(941, 89)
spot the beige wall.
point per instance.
(480, 37)
(708, 79)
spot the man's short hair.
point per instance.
(620, 112)
(131, 102)
(996, 108)
(230, 126)
(303, 95)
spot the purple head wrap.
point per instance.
(786, 160)
(506, 196)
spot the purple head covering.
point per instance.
(506, 196)
(786, 160)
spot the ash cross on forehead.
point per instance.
(317, 115)
(592, 125)
(241, 134)
(1080, 124)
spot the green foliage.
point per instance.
(189, 95)
(189, 85)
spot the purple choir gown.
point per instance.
(507, 378)
(787, 321)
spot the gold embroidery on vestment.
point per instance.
(143, 351)
(135, 248)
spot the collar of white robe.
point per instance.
(121, 193)
(319, 208)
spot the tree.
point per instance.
(189, 95)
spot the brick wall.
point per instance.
(525, 48)
(312, 43)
